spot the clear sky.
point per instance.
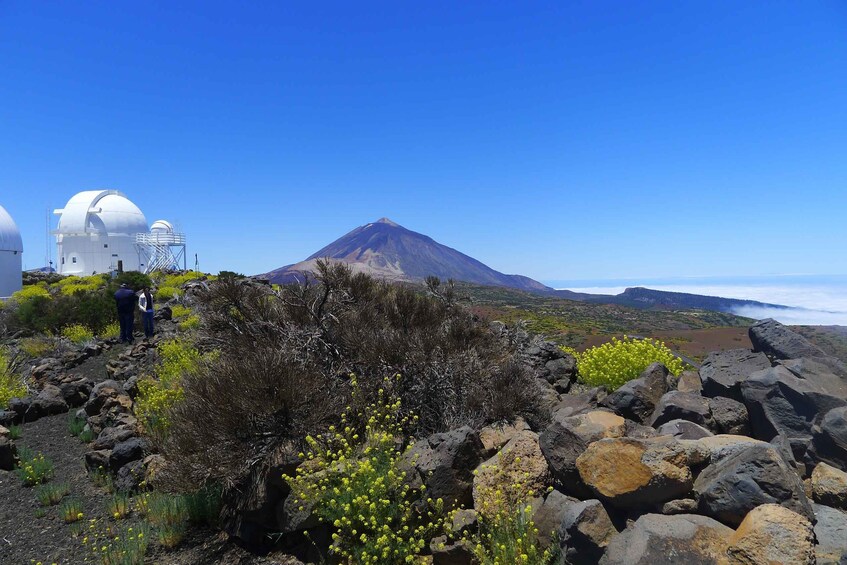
(561, 140)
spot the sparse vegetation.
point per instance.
(11, 383)
(38, 346)
(118, 506)
(33, 469)
(15, 432)
(168, 515)
(71, 511)
(115, 545)
(51, 494)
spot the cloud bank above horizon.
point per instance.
(812, 304)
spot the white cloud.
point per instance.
(815, 304)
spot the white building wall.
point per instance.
(96, 253)
(10, 273)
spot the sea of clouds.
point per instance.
(813, 301)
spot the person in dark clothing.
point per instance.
(125, 300)
(145, 304)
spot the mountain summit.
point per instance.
(388, 250)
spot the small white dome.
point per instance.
(162, 226)
(10, 235)
(103, 212)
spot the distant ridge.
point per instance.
(388, 250)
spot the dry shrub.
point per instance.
(286, 357)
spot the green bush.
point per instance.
(353, 482)
(190, 323)
(166, 293)
(133, 279)
(179, 311)
(619, 361)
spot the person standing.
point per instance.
(125, 301)
(145, 304)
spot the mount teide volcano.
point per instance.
(390, 251)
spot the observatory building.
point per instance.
(102, 231)
(96, 233)
(11, 250)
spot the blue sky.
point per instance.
(562, 140)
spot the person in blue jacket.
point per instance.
(125, 301)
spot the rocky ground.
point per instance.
(740, 461)
(31, 533)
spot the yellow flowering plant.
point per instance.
(351, 478)
(507, 534)
(156, 396)
(618, 361)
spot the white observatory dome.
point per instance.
(97, 233)
(10, 235)
(102, 212)
(162, 226)
(11, 248)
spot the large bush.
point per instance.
(286, 355)
(616, 362)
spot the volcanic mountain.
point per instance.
(390, 251)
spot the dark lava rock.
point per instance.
(829, 443)
(585, 531)
(637, 399)
(655, 539)
(728, 489)
(723, 371)
(729, 416)
(7, 454)
(683, 429)
(445, 463)
(574, 404)
(677, 405)
(447, 552)
(779, 402)
(549, 515)
(129, 477)
(127, 451)
(831, 534)
(110, 437)
(95, 460)
(8, 418)
(776, 340)
(48, 402)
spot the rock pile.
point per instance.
(742, 461)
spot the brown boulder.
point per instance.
(772, 534)
(636, 473)
(829, 486)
